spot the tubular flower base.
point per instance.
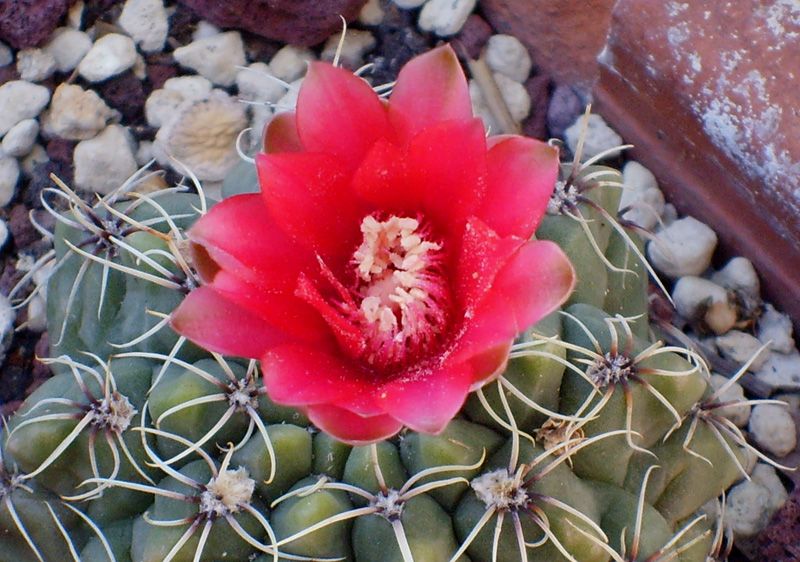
(386, 266)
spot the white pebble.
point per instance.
(256, 83)
(514, 95)
(751, 503)
(7, 318)
(205, 29)
(409, 4)
(776, 327)
(144, 154)
(692, 295)
(289, 100)
(37, 155)
(160, 106)
(20, 138)
(110, 55)
(20, 100)
(68, 47)
(37, 314)
(146, 22)
(740, 275)
(9, 175)
(355, 46)
(740, 347)
(599, 136)
(683, 248)
(507, 55)
(75, 113)
(739, 413)
(103, 163)
(642, 195)
(6, 56)
(291, 63)
(782, 370)
(35, 65)
(371, 13)
(215, 57)
(190, 87)
(3, 233)
(445, 18)
(202, 137)
(773, 428)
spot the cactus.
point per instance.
(596, 444)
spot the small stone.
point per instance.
(146, 22)
(144, 154)
(599, 137)
(204, 30)
(37, 314)
(20, 100)
(751, 503)
(124, 93)
(514, 94)
(371, 13)
(9, 175)
(20, 138)
(29, 23)
(160, 106)
(740, 347)
(103, 163)
(773, 429)
(190, 87)
(35, 65)
(507, 55)
(776, 328)
(739, 275)
(683, 248)
(68, 47)
(75, 113)
(445, 18)
(4, 234)
(6, 56)
(110, 55)
(356, 44)
(739, 412)
(256, 83)
(202, 137)
(291, 63)
(7, 318)
(215, 58)
(289, 100)
(37, 155)
(409, 4)
(474, 36)
(782, 370)
(565, 107)
(693, 295)
(642, 195)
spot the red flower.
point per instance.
(385, 268)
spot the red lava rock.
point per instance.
(29, 23)
(8, 73)
(298, 23)
(96, 9)
(709, 99)
(538, 88)
(126, 94)
(60, 150)
(473, 36)
(20, 227)
(780, 541)
(563, 38)
(160, 72)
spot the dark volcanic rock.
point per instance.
(28, 23)
(125, 93)
(780, 541)
(298, 23)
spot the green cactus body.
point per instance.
(583, 437)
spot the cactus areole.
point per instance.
(387, 265)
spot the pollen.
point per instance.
(403, 294)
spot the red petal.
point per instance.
(429, 89)
(310, 198)
(381, 180)
(447, 170)
(533, 283)
(522, 174)
(481, 255)
(339, 114)
(426, 401)
(297, 375)
(280, 134)
(240, 236)
(217, 324)
(351, 428)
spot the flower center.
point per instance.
(403, 297)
